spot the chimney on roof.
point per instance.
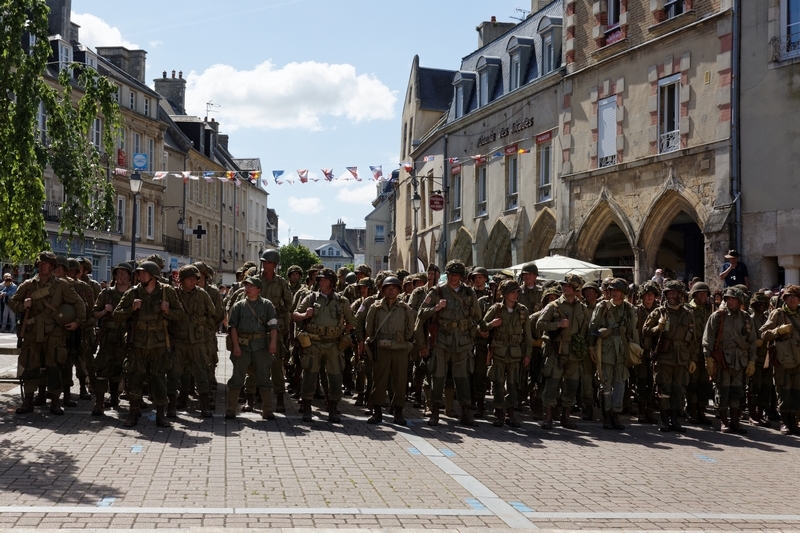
(132, 62)
(338, 231)
(536, 5)
(173, 89)
(58, 19)
(491, 30)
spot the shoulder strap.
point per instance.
(718, 340)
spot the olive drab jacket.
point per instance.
(485, 303)
(360, 308)
(558, 340)
(531, 298)
(458, 320)
(787, 347)
(199, 316)
(47, 298)
(616, 326)
(331, 314)
(219, 307)
(113, 331)
(675, 344)
(739, 337)
(641, 317)
(701, 314)
(149, 331)
(511, 341)
(253, 322)
(759, 319)
(278, 292)
(390, 328)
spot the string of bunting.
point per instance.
(255, 177)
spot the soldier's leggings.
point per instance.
(478, 381)
(110, 362)
(188, 360)
(392, 363)
(457, 363)
(700, 389)
(553, 371)
(364, 375)
(671, 381)
(644, 381)
(34, 356)
(588, 383)
(322, 355)
(420, 369)
(760, 386)
(212, 351)
(787, 385)
(278, 377)
(613, 386)
(74, 359)
(149, 365)
(505, 382)
(260, 362)
(730, 387)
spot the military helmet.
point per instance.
(733, 292)
(618, 284)
(552, 290)
(294, 268)
(479, 270)
(454, 266)
(204, 269)
(127, 267)
(157, 259)
(66, 314)
(606, 282)
(434, 267)
(408, 280)
(150, 267)
(573, 280)
(675, 285)
(271, 256)
(188, 271)
(73, 264)
(402, 274)
(700, 287)
(255, 281)
(86, 263)
(316, 267)
(590, 285)
(633, 288)
(790, 290)
(48, 257)
(759, 297)
(422, 276)
(379, 278)
(509, 286)
(328, 274)
(252, 271)
(364, 269)
(350, 277)
(530, 268)
(343, 271)
(61, 260)
(391, 280)
(650, 286)
(365, 282)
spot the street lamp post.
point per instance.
(416, 202)
(136, 188)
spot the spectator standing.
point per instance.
(659, 277)
(8, 318)
(733, 271)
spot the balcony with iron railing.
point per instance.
(785, 47)
(175, 245)
(669, 142)
(52, 213)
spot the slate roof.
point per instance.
(248, 164)
(435, 88)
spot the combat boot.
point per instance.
(399, 419)
(428, 400)
(133, 417)
(566, 423)
(307, 411)
(757, 418)
(588, 413)
(434, 419)
(499, 418)
(607, 420)
(55, 405)
(510, 420)
(99, 406)
(172, 407)
(449, 409)
(417, 397)
(481, 408)
(83, 394)
(360, 399)
(41, 396)
(537, 409)
(736, 427)
(280, 407)
(68, 401)
(182, 401)
(673, 421)
(205, 405)
(693, 418)
(665, 427)
(466, 417)
(377, 415)
(642, 416)
(161, 419)
(27, 405)
(649, 413)
(250, 402)
(548, 418)
(702, 419)
(233, 400)
(333, 412)
(615, 423)
(725, 425)
(113, 392)
(266, 405)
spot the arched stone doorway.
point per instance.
(614, 250)
(541, 235)
(498, 247)
(462, 247)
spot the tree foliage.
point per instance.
(296, 255)
(67, 148)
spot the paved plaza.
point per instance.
(90, 472)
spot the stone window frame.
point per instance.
(658, 9)
(490, 69)
(481, 204)
(549, 29)
(457, 188)
(602, 34)
(512, 198)
(670, 67)
(782, 48)
(598, 93)
(545, 190)
(519, 49)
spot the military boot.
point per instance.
(172, 407)
(83, 393)
(360, 399)
(736, 427)
(434, 419)
(481, 402)
(642, 415)
(615, 423)
(428, 400)
(266, 405)
(537, 409)
(757, 418)
(650, 414)
(466, 416)
(205, 405)
(307, 411)
(499, 418)
(113, 392)
(377, 415)
(588, 413)
(133, 417)
(510, 420)
(99, 406)
(68, 401)
(41, 396)
(280, 407)
(449, 409)
(607, 420)
(399, 419)
(702, 419)
(55, 405)
(417, 397)
(674, 424)
(566, 423)
(725, 424)
(665, 427)
(27, 405)
(182, 401)
(548, 418)
(161, 419)
(693, 418)
(250, 403)
(333, 412)
(793, 429)
(233, 400)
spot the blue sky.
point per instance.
(301, 84)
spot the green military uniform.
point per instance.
(278, 292)
(737, 340)
(363, 367)
(479, 377)
(589, 384)
(212, 349)
(759, 390)
(80, 343)
(700, 389)
(615, 326)
(253, 323)
(643, 372)
(148, 357)
(530, 376)
(510, 346)
(419, 374)
(43, 336)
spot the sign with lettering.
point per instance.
(544, 137)
(139, 161)
(437, 202)
(456, 169)
(510, 150)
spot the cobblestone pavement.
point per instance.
(90, 472)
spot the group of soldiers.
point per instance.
(552, 346)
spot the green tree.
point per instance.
(296, 255)
(67, 148)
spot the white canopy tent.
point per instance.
(557, 266)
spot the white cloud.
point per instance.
(305, 206)
(362, 194)
(97, 32)
(156, 44)
(297, 95)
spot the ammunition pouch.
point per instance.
(304, 339)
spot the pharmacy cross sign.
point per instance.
(199, 231)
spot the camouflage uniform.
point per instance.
(80, 343)
(700, 389)
(759, 390)
(643, 372)
(278, 292)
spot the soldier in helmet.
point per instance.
(276, 290)
(671, 329)
(324, 317)
(732, 331)
(564, 323)
(614, 323)
(454, 308)
(530, 296)
(351, 292)
(151, 305)
(86, 276)
(510, 350)
(205, 282)
(341, 282)
(111, 356)
(649, 299)
(80, 355)
(363, 363)
(43, 301)
(390, 331)
(759, 389)
(421, 378)
(158, 260)
(294, 273)
(589, 384)
(699, 390)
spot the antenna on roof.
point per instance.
(211, 105)
(525, 14)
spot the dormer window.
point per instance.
(463, 84)
(64, 55)
(550, 32)
(519, 51)
(488, 74)
(91, 60)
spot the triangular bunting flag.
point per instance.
(237, 181)
(231, 175)
(354, 172)
(276, 174)
(408, 167)
(159, 176)
(303, 175)
(208, 176)
(254, 176)
(453, 160)
(524, 151)
(377, 173)
(428, 158)
(497, 154)
(328, 173)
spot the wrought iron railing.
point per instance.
(669, 142)
(786, 46)
(607, 161)
(174, 245)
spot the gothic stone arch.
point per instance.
(541, 235)
(604, 212)
(497, 253)
(462, 247)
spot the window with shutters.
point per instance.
(545, 171)
(512, 183)
(669, 90)
(456, 192)
(480, 190)
(607, 132)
